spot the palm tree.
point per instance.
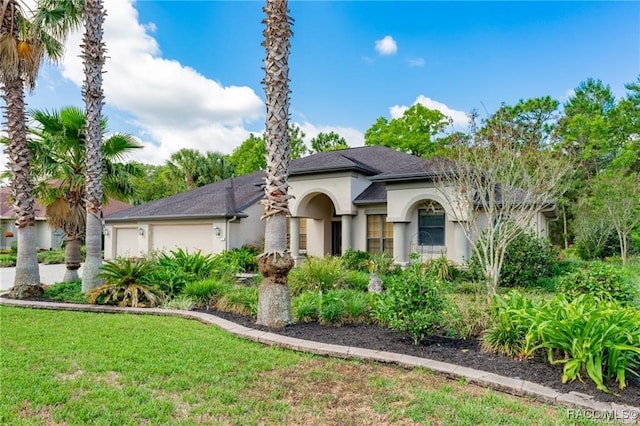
(274, 300)
(59, 147)
(23, 45)
(185, 164)
(93, 56)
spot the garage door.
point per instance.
(126, 242)
(186, 237)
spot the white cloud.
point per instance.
(172, 105)
(460, 119)
(416, 62)
(386, 46)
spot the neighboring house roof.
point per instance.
(227, 198)
(7, 211)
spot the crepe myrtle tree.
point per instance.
(497, 188)
(274, 299)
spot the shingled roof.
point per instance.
(228, 198)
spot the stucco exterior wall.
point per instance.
(342, 188)
(249, 230)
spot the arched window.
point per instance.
(431, 224)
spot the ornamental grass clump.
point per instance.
(240, 300)
(206, 292)
(317, 274)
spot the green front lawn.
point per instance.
(85, 368)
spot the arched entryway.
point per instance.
(324, 228)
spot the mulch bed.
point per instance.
(454, 351)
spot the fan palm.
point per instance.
(274, 302)
(23, 45)
(59, 147)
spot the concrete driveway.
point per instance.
(49, 274)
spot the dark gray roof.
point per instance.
(376, 193)
(421, 170)
(227, 198)
(368, 160)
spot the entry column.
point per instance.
(400, 243)
(346, 232)
(294, 238)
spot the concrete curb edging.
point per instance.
(518, 387)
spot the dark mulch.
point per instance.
(454, 351)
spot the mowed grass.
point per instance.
(104, 369)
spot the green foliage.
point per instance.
(180, 302)
(51, 257)
(7, 260)
(512, 318)
(324, 142)
(243, 259)
(317, 274)
(240, 300)
(356, 280)
(206, 292)
(305, 306)
(469, 316)
(413, 133)
(332, 308)
(586, 334)
(442, 268)
(380, 263)
(14, 248)
(605, 282)
(171, 281)
(356, 260)
(66, 292)
(126, 283)
(412, 303)
(527, 259)
(198, 264)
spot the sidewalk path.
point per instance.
(49, 274)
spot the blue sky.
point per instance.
(188, 73)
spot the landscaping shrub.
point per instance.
(412, 303)
(66, 292)
(206, 292)
(588, 335)
(603, 281)
(527, 259)
(332, 308)
(306, 307)
(243, 259)
(442, 268)
(126, 283)
(317, 274)
(356, 280)
(511, 318)
(198, 264)
(7, 260)
(357, 307)
(470, 315)
(356, 260)
(51, 257)
(240, 300)
(181, 302)
(171, 281)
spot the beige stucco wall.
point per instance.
(342, 188)
(249, 230)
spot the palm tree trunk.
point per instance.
(72, 258)
(274, 300)
(27, 279)
(93, 54)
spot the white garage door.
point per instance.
(187, 237)
(126, 242)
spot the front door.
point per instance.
(336, 238)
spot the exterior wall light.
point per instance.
(216, 231)
(141, 231)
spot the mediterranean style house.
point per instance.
(46, 238)
(369, 198)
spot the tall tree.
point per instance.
(214, 168)
(274, 300)
(59, 148)
(496, 189)
(23, 45)
(185, 164)
(415, 132)
(250, 156)
(93, 56)
(328, 142)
